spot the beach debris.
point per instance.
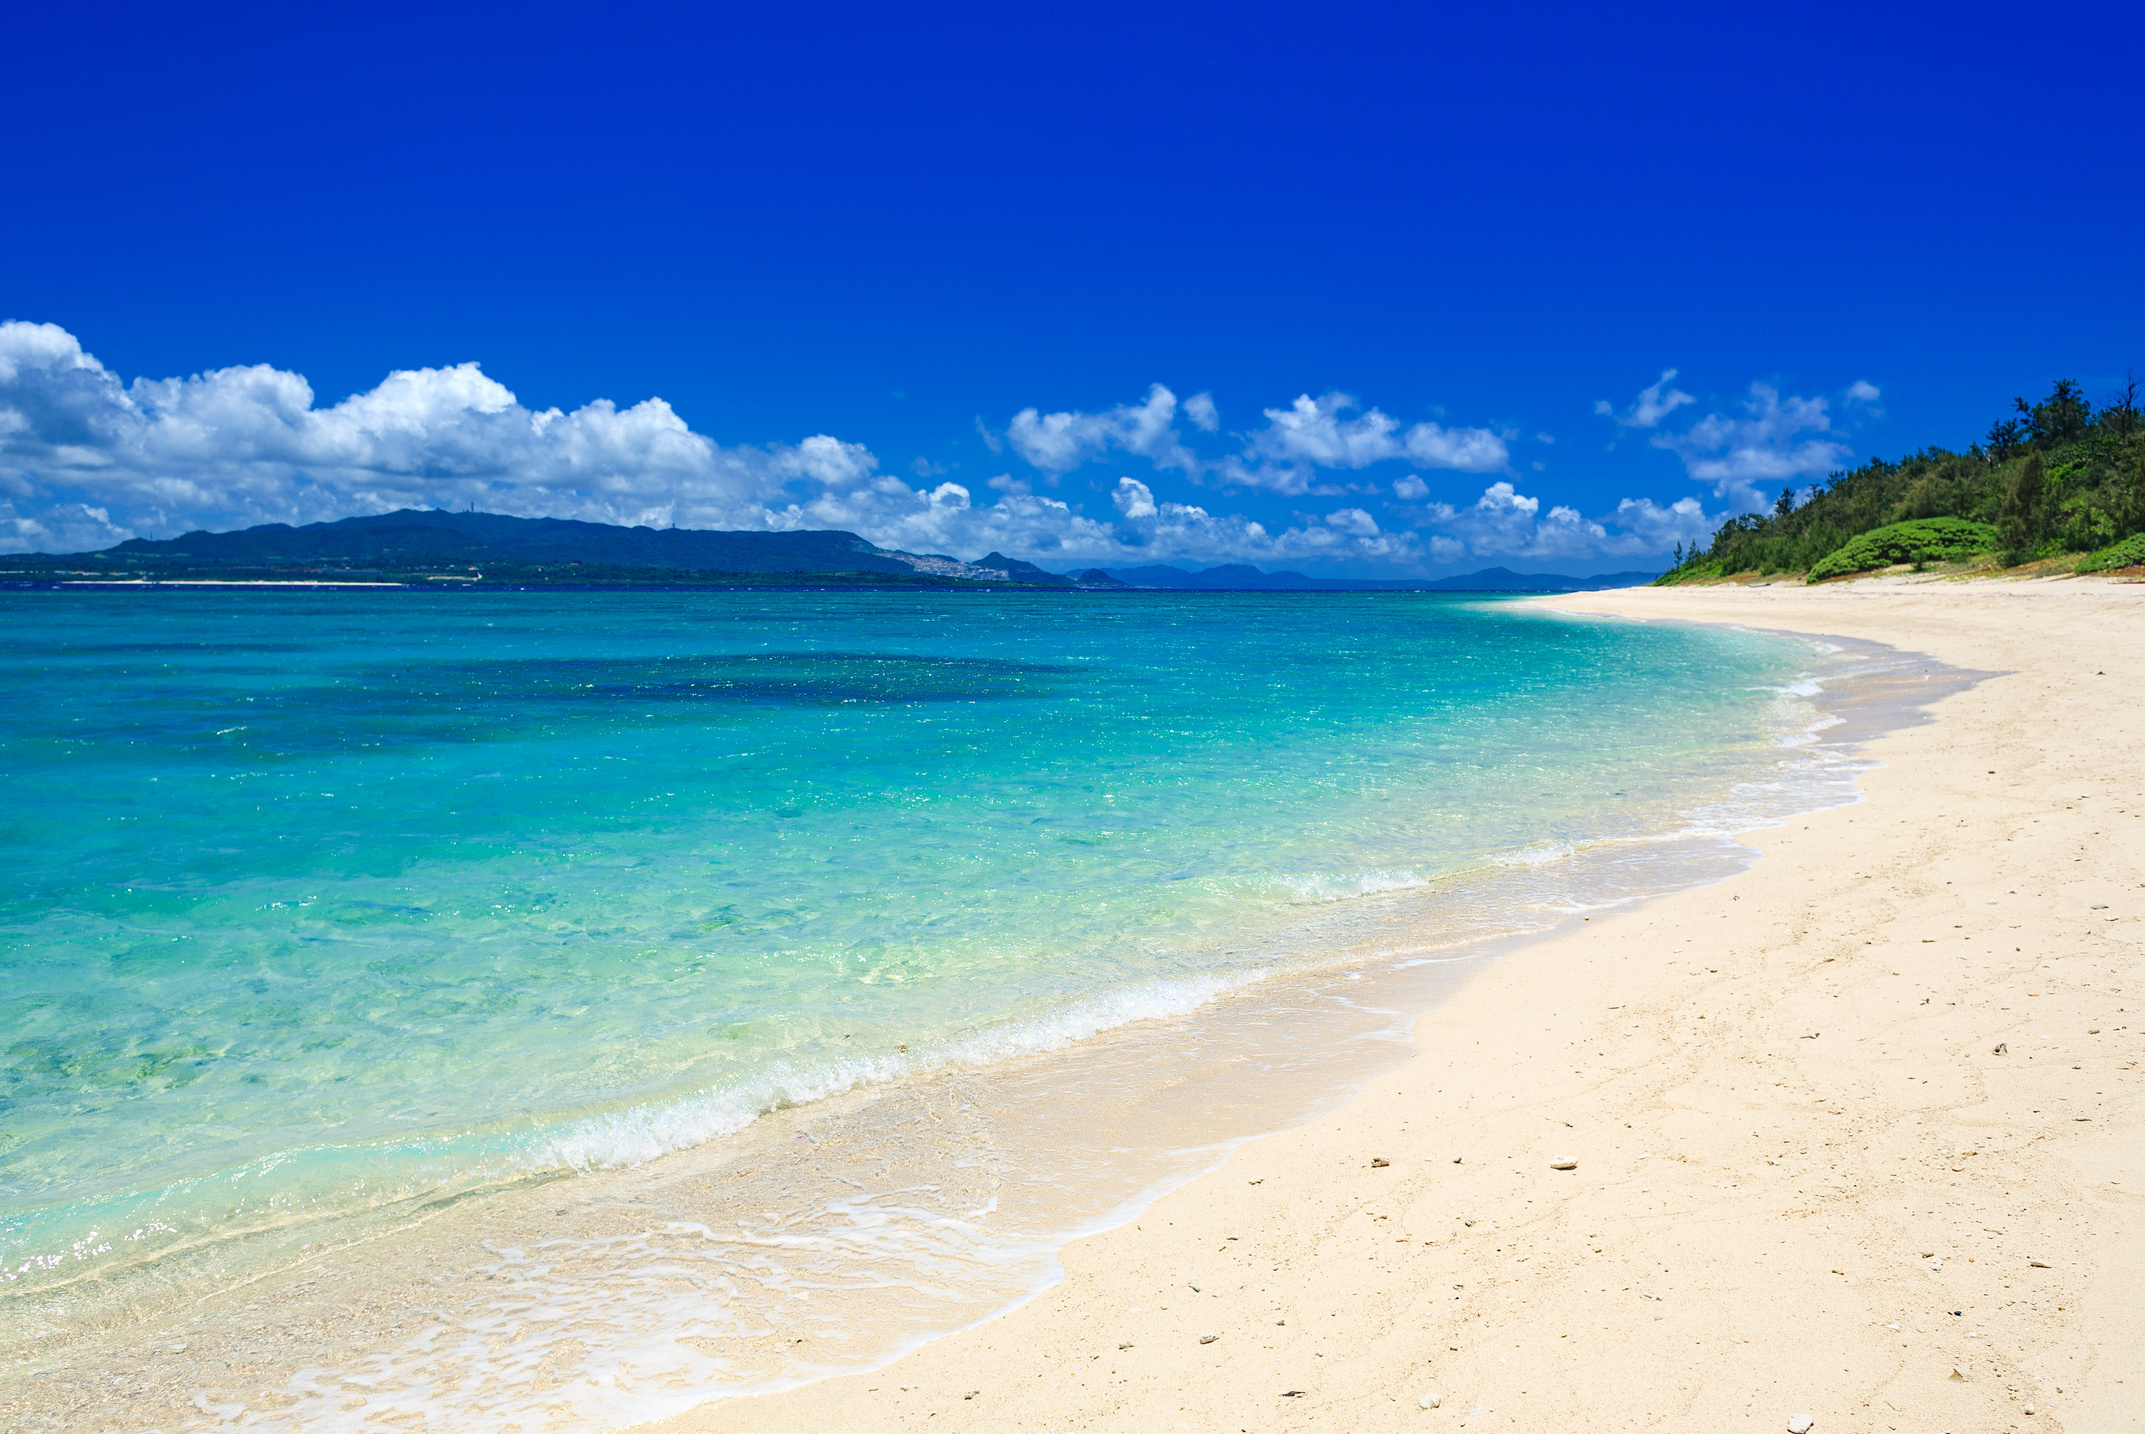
(1457, 1159)
(1935, 1263)
(1799, 1424)
(2036, 1264)
(2029, 1409)
(1429, 1401)
(1379, 1162)
(1958, 1373)
(1208, 1338)
(1563, 1165)
(974, 1392)
(1292, 1394)
(2001, 1048)
(1124, 1346)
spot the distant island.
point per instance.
(416, 546)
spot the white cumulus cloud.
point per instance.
(1772, 438)
(1661, 528)
(1061, 442)
(1134, 499)
(1317, 433)
(1864, 394)
(1775, 438)
(1506, 523)
(1353, 520)
(1652, 405)
(1285, 455)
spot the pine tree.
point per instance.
(2130, 499)
(2023, 521)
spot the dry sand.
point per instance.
(1857, 1133)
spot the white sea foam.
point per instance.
(642, 1133)
(1541, 854)
(1339, 886)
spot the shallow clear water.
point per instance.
(315, 904)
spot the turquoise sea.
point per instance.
(320, 908)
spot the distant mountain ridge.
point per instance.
(418, 537)
(425, 533)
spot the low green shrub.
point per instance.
(2129, 553)
(1918, 540)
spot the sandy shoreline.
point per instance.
(1792, 1130)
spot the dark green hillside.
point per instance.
(421, 534)
(2058, 477)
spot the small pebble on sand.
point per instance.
(1798, 1423)
(1208, 1338)
(1430, 1401)
(1563, 1165)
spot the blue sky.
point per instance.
(1347, 289)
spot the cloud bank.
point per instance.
(1283, 455)
(88, 459)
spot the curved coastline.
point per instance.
(1722, 1253)
(1382, 996)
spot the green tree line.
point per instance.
(2056, 477)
